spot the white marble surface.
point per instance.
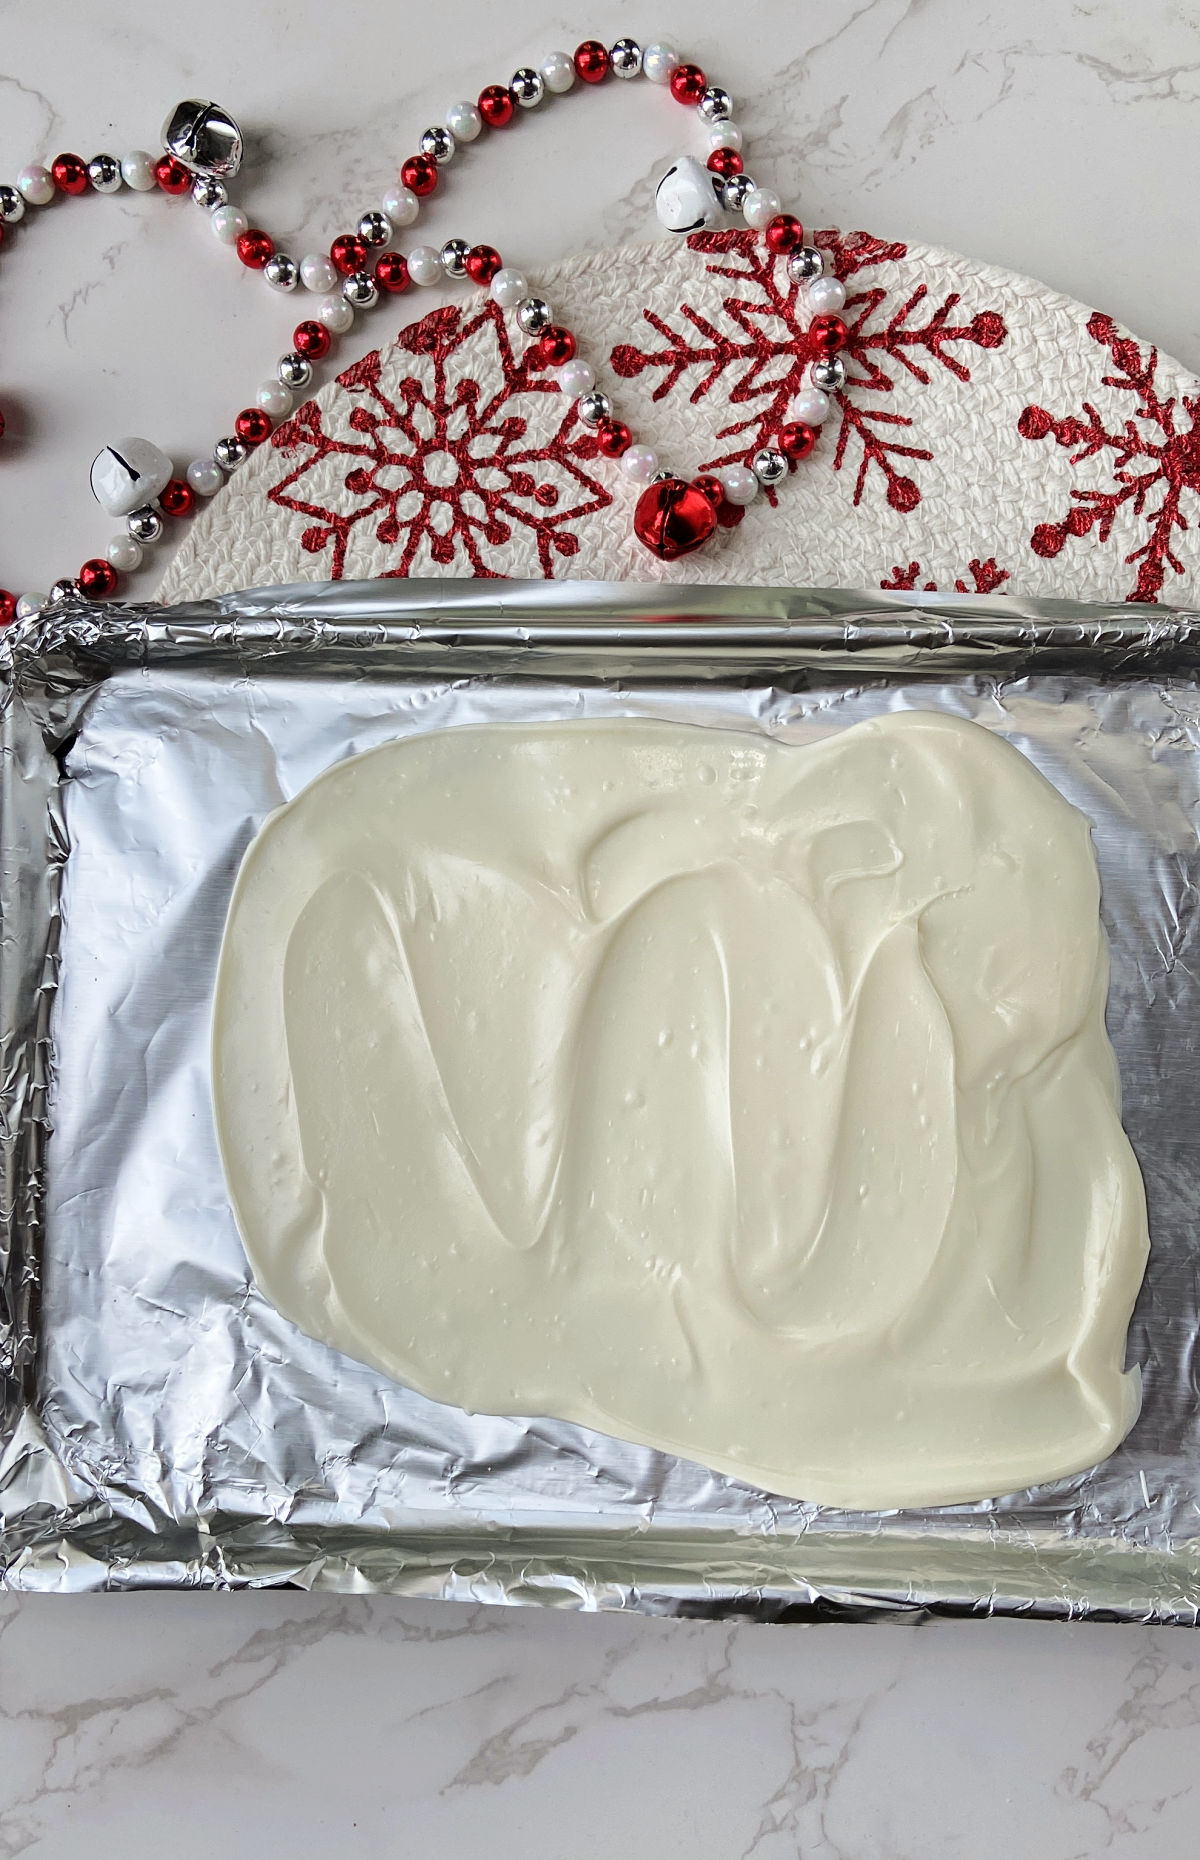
(1059, 141)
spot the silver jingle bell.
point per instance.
(768, 465)
(805, 265)
(229, 452)
(594, 407)
(734, 191)
(360, 290)
(144, 525)
(528, 87)
(829, 376)
(375, 228)
(534, 315)
(625, 58)
(684, 199)
(295, 371)
(438, 143)
(12, 205)
(127, 474)
(104, 173)
(64, 590)
(281, 272)
(209, 193)
(204, 137)
(454, 258)
(716, 105)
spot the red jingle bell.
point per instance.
(672, 518)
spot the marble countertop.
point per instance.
(1057, 141)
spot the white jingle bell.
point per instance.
(684, 199)
(128, 474)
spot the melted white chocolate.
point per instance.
(748, 1101)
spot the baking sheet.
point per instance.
(163, 1425)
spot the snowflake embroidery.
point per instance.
(1149, 455)
(454, 460)
(760, 353)
(986, 577)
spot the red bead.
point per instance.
(391, 271)
(420, 174)
(170, 174)
(673, 518)
(254, 248)
(496, 105)
(482, 262)
(827, 334)
(710, 486)
(725, 162)
(312, 339)
(688, 83)
(8, 607)
(97, 579)
(796, 441)
(348, 253)
(613, 437)
(556, 345)
(784, 233)
(70, 174)
(592, 62)
(252, 426)
(177, 498)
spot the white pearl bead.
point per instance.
(463, 121)
(124, 553)
(724, 136)
(335, 313)
(558, 72)
(640, 463)
(30, 605)
(318, 273)
(401, 205)
(36, 184)
(827, 296)
(659, 62)
(741, 484)
(229, 223)
(508, 287)
(137, 171)
(761, 205)
(274, 399)
(205, 477)
(575, 377)
(810, 405)
(425, 265)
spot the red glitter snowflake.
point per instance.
(986, 577)
(454, 458)
(1150, 454)
(763, 349)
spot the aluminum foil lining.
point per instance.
(162, 1425)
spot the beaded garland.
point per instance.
(202, 152)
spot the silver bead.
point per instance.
(375, 229)
(768, 465)
(281, 272)
(104, 173)
(204, 137)
(454, 258)
(528, 87)
(626, 58)
(229, 453)
(716, 105)
(594, 407)
(295, 371)
(805, 265)
(360, 290)
(734, 191)
(12, 205)
(144, 525)
(64, 590)
(829, 376)
(209, 193)
(439, 143)
(534, 315)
